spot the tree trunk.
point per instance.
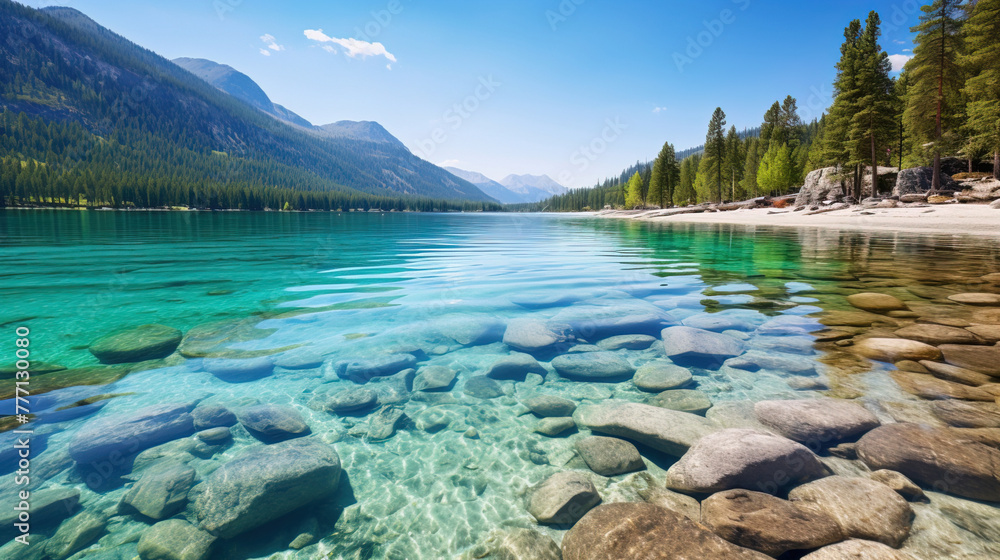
(936, 181)
(996, 164)
(874, 168)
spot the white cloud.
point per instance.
(658, 110)
(271, 42)
(898, 42)
(352, 47)
(907, 50)
(329, 49)
(449, 163)
(265, 52)
(898, 61)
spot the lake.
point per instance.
(409, 344)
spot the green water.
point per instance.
(349, 286)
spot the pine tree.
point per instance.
(715, 153)
(685, 188)
(734, 162)
(664, 178)
(777, 169)
(933, 109)
(750, 167)
(633, 193)
(873, 126)
(846, 99)
(982, 90)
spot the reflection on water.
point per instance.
(398, 385)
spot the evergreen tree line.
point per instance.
(946, 101)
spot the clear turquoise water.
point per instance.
(355, 285)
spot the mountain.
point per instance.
(240, 86)
(533, 187)
(95, 110)
(489, 186)
(367, 131)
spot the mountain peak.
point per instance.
(528, 183)
(368, 131)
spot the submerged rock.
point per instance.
(697, 347)
(516, 367)
(937, 334)
(271, 424)
(900, 484)
(554, 426)
(818, 423)
(939, 458)
(609, 456)
(162, 491)
(627, 342)
(363, 371)
(148, 342)
(740, 458)
(685, 400)
(299, 359)
(863, 508)
(515, 544)
(983, 359)
(482, 387)
(858, 549)
(593, 366)
(550, 406)
(127, 435)
(563, 498)
(175, 539)
(212, 416)
(757, 360)
(594, 322)
(235, 370)
(382, 425)
(895, 349)
(534, 336)
(876, 303)
(766, 523)
(661, 375)
(265, 483)
(963, 414)
(644, 531)
(48, 508)
(351, 400)
(433, 378)
(74, 534)
(930, 387)
(670, 431)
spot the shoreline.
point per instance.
(964, 219)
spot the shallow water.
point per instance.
(354, 286)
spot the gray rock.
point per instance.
(550, 406)
(863, 508)
(161, 492)
(351, 400)
(748, 459)
(175, 539)
(685, 400)
(234, 370)
(821, 185)
(363, 371)
(215, 436)
(627, 342)
(593, 366)
(516, 366)
(382, 425)
(554, 426)
(757, 360)
(482, 387)
(127, 435)
(670, 431)
(212, 416)
(964, 414)
(688, 346)
(609, 456)
(857, 549)
(474, 330)
(918, 180)
(47, 508)
(271, 424)
(433, 378)
(771, 525)
(661, 375)
(515, 544)
(563, 498)
(148, 342)
(74, 534)
(595, 322)
(818, 423)
(265, 483)
(299, 359)
(534, 336)
(718, 322)
(433, 420)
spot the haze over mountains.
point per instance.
(512, 189)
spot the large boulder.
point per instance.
(594, 322)
(593, 366)
(117, 437)
(660, 375)
(818, 423)
(964, 414)
(364, 370)
(162, 491)
(515, 367)
(983, 359)
(863, 508)
(264, 484)
(688, 346)
(75, 534)
(742, 458)
(563, 498)
(175, 539)
(148, 342)
(932, 334)
(821, 185)
(212, 416)
(349, 401)
(626, 531)
(670, 431)
(939, 458)
(918, 180)
(237, 370)
(895, 349)
(609, 456)
(515, 544)
(857, 549)
(766, 523)
(534, 336)
(271, 424)
(875, 302)
(433, 378)
(549, 406)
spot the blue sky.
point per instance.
(576, 89)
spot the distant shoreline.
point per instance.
(966, 219)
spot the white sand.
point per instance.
(973, 219)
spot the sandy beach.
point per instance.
(970, 219)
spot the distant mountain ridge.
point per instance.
(513, 189)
